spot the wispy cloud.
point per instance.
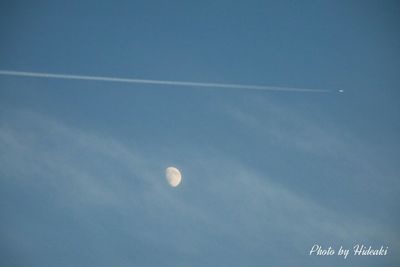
(289, 128)
(224, 211)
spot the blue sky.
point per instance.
(265, 174)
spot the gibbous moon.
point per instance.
(173, 176)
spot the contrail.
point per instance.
(159, 82)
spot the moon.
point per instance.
(173, 176)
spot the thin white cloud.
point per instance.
(287, 127)
(220, 199)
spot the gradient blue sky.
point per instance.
(266, 174)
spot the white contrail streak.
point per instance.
(159, 82)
